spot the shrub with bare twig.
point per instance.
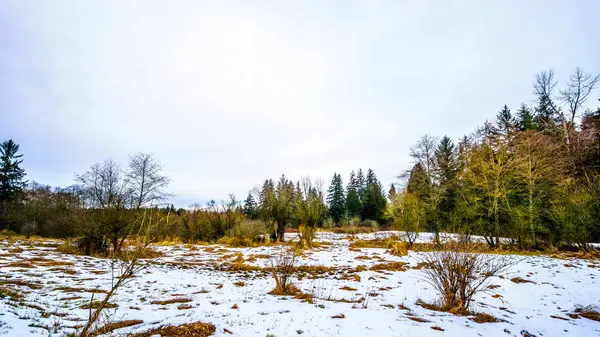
(283, 266)
(459, 274)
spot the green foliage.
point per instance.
(11, 172)
(336, 198)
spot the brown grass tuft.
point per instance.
(485, 318)
(519, 279)
(110, 327)
(437, 328)
(588, 312)
(390, 266)
(196, 329)
(172, 300)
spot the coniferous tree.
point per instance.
(361, 184)
(418, 182)
(392, 191)
(11, 173)
(525, 119)
(353, 204)
(250, 206)
(336, 198)
(373, 200)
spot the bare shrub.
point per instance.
(283, 266)
(458, 275)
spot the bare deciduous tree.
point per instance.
(146, 180)
(579, 86)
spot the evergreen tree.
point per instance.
(505, 124)
(361, 184)
(250, 207)
(374, 202)
(11, 173)
(392, 191)
(525, 119)
(418, 182)
(353, 204)
(371, 178)
(336, 198)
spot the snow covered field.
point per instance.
(55, 286)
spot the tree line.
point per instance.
(532, 177)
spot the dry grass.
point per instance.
(390, 266)
(20, 264)
(239, 283)
(348, 288)
(172, 300)
(80, 290)
(184, 306)
(98, 304)
(588, 312)
(519, 279)
(485, 318)
(21, 283)
(236, 242)
(399, 248)
(339, 316)
(13, 294)
(196, 329)
(110, 327)
(435, 327)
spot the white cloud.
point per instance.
(227, 94)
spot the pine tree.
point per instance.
(353, 204)
(250, 207)
(505, 124)
(418, 182)
(371, 178)
(11, 174)
(360, 182)
(525, 119)
(392, 191)
(336, 198)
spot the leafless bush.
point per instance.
(283, 266)
(123, 267)
(458, 275)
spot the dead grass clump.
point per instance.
(339, 316)
(172, 300)
(485, 318)
(458, 275)
(110, 327)
(13, 294)
(15, 250)
(418, 319)
(21, 283)
(390, 266)
(21, 264)
(239, 283)
(240, 266)
(519, 279)
(399, 248)
(196, 329)
(589, 312)
(348, 288)
(80, 290)
(184, 306)
(437, 328)
(98, 304)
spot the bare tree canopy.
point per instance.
(146, 181)
(578, 89)
(103, 185)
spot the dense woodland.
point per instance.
(532, 175)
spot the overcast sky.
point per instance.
(229, 93)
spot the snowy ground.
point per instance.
(198, 273)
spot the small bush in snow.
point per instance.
(458, 274)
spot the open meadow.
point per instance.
(344, 289)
